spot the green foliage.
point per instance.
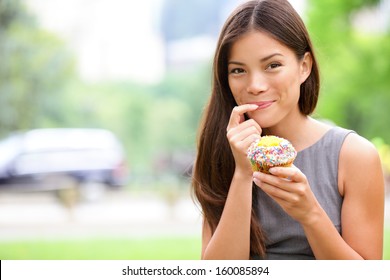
(38, 88)
(153, 121)
(191, 88)
(34, 69)
(386, 244)
(12, 11)
(384, 153)
(354, 68)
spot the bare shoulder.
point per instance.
(357, 149)
(362, 186)
(359, 162)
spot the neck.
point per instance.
(302, 131)
(290, 127)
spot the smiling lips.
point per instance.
(263, 104)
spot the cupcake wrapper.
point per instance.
(265, 168)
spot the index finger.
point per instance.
(290, 173)
(238, 112)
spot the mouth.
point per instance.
(263, 104)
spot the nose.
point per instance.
(257, 84)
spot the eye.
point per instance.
(236, 71)
(273, 65)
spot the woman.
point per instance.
(266, 82)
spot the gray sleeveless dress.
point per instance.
(319, 162)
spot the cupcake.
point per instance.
(271, 151)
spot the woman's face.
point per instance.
(267, 73)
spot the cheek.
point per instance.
(295, 90)
(232, 85)
(291, 85)
(234, 88)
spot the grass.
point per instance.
(157, 248)
(152, 248)
(386, 245)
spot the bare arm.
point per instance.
(231, 239)
(362, 214)
(361, 182)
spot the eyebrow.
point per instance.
(261, 60)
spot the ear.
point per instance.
(305, 66)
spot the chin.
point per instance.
(265, 124)
(263, 121)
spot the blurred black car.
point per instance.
(39, 157)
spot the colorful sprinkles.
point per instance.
(270, 151)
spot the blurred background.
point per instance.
(100, 102)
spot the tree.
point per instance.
(34, 69)
(354, 67)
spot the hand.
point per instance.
(241, 134)
(289, 187)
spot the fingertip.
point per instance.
(273, 170)
(256, 137)
(256, 181)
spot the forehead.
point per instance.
(257, 43)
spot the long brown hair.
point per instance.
(214, 166)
